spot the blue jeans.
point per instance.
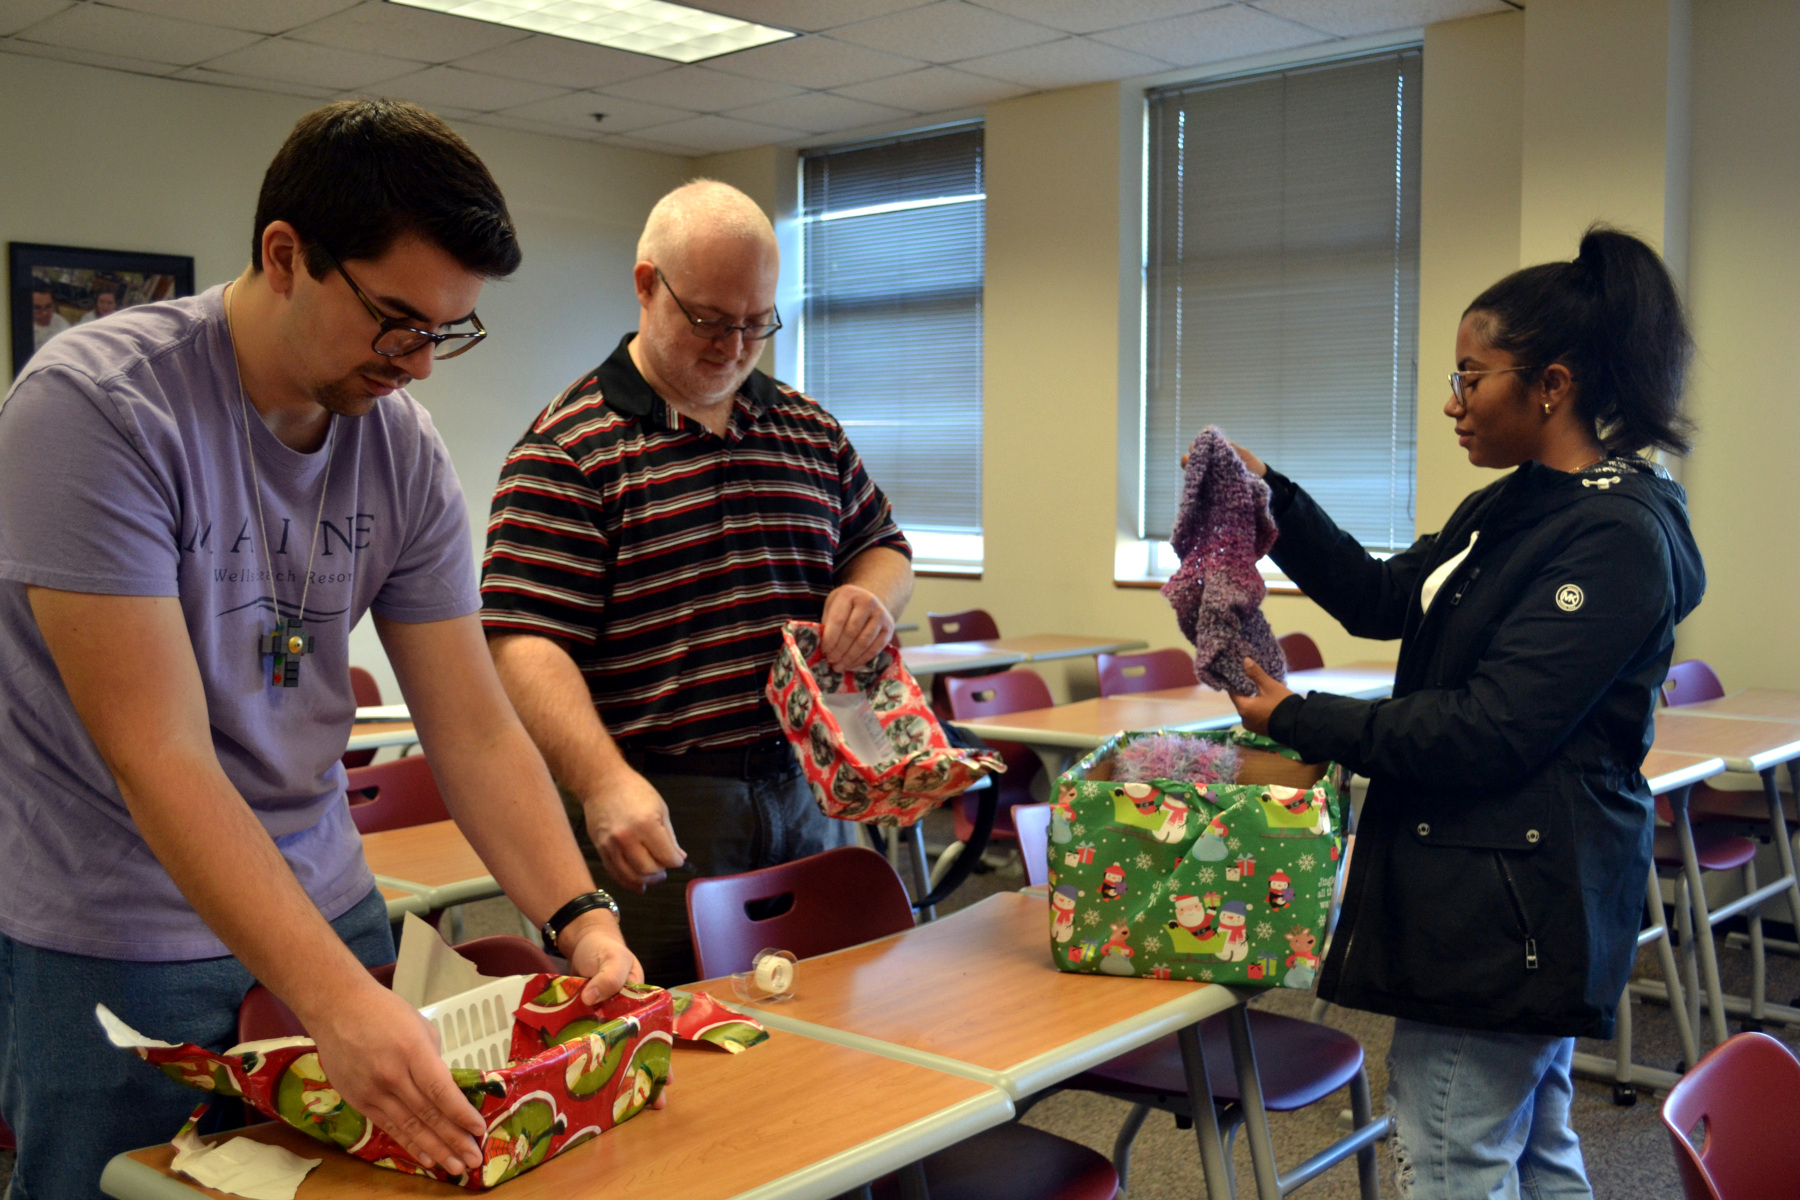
(1482, 1116)
(73, 1099)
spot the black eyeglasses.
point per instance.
(397, 339)
(718, 331)
(1457, 377)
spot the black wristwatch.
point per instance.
(585, 903)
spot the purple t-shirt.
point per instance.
(124, 471)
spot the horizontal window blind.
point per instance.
(890, 341)
(1282, 285)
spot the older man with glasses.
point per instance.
(651, 533)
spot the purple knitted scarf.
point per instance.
(1223, 527)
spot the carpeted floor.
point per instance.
(1627, 1151)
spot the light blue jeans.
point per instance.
(1482, 1116)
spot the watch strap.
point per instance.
(587, 902)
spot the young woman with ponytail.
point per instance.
(1493, 900)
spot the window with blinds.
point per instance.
(890, 337)
(1282, 286)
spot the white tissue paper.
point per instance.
(242, 1166)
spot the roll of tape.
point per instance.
(775, 975)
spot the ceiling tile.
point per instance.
(700, 88)
(948, 31)
(715, 134)
(102, 30)
(816, 112)
(319, 66)
(112, 62)
(409, 32)
(1085, 16)
(809, 16)
(502, 121)
(649, 143)
(1352, 18)
(252, 83)
(453, 87)
(935, 89)
(1066, 63)
(22, 14)
(576, 110)
(814, 62)
(258, 16)
(544, 59)
(1211, 36)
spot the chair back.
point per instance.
(262, 1015)
(1146, 672)
(1032, 821)
(394, 795)
(839, 898)
(971, 625)
(975, 696)
(368, 694)
(1691, 682)
(1746, 1096)
(1301, 652)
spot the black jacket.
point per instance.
(1500, 866)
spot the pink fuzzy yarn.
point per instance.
(1175, 756)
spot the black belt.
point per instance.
(772, 758)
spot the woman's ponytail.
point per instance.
(1614, 319)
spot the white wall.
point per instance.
(103, 159)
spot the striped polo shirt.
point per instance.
(665, 558)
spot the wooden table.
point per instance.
(1063, 733)
(1362, 681)
(975, 994)
(1046, 647)
(778, 1121)
(956, 656)
(373, 735)
(1771, 704)
(433, 862)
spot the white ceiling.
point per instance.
(858, 64)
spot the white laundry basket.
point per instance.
(475, 1027)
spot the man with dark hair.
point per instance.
(198, 500)
(651, 533)
(46, 322)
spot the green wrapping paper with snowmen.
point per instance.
(1219, 882)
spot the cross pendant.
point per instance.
(288, 642)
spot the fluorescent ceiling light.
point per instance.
(672, 31)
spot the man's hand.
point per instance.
(857, 625)
(630, 827)
(599, 954)
(1255, 710)
(382, 1057)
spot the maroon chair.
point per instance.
(1745, 1096)
(1301, 652)
(971, 625)
(368, 694)
(974, 696)
(1010, 1161)
(1691, 682)
(394, 795)
(1121, 674)
(7, 1140)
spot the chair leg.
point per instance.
(1759, 981)
(1121, 1155)
(921, 867)
(1665, 953)
(1250, 1102)
(1232, 1125)
(1624, 1090)
(1702, 919)
(1362, 1111)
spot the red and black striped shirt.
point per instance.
(665, 558)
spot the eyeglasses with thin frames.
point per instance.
(1457, 377)
(718, 331)
(397, 339)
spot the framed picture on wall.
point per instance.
(54, 288)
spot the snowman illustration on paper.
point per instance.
(1175, 819)
(1062, 913)
(1232, 920)
(1211, 844)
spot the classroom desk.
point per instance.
(975, 994)
(1362, 681)
(938, 657)
(1047, 647)
(769, 1124)
(373, 735)
(1062, 734)
(433, 862)
(1769, 704)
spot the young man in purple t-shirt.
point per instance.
(198, 500)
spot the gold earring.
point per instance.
(1546, 408)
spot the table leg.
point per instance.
(1702, 922)
(1250, 1101)
(912, 1182)
(1215, 1168)
(1665, 954)
(921, 870)
(1056, 760)
(1784, 849)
